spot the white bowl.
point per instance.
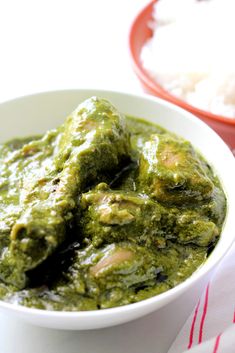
(35, 114)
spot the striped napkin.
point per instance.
(210, 327)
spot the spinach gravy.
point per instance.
(103, 211)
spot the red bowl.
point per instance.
(139, 34)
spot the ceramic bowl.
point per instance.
(32, 115)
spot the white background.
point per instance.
(54, 44)
(47, 45)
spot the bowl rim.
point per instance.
(155, 87)
(174, 292)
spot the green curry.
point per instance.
(103, 211)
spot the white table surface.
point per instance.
(59, 44)
(54, 44)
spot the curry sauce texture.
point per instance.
(103, 211)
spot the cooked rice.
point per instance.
(192, 52)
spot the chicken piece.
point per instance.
(195, 229)
(121, 265)
(92, 142)
(113, 216)
(172, 172)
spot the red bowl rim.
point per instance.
(152, 85)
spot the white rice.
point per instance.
(192, 52)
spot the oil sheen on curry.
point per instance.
(103, 211)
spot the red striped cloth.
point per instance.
(210, 327)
